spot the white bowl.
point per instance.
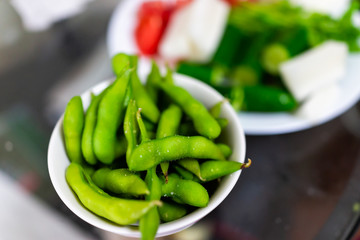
(234, 136)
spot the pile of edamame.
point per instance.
(144, 153)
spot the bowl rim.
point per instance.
(223, 190)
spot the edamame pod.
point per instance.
(130, 127)
(152, 81)
(170, 211)
(216, 109)
(151, 153)
(109, 118)
(89, 126)
(211, 170)
(120, 146)
(169, 121)
(150, 222)
(73, 125)
(120, 211)
(120, 181)
(225, 149)
(204, 123)
(123, 61)
(192, 165)
(143, 100)
(187, 191)
(223, 122)
(168, 125)
(185, 174)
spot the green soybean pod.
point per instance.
(223, 122)
(170, 211)
(187, 129)
(89, 126)
(188, 191)
(205, 124)
(168, 76)
(149, 154)
(123, 61)
(211, 170)
(73, 125)
(225, 149)
(168, 126)
(130, 127)
(120, 181)
(169, 121)
(117, 210)
(143, 100)
(120, 146)
(192, 165)
(109, 118)
(185, 174)
(216, 109)
(149, 223)
(152, 81)
(143, 131)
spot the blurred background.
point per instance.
(303, 185)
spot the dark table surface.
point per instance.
(303, 185)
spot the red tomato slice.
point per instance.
(148, 34)
(153, 17)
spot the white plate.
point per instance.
(120, 38)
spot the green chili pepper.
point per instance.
(267, 99)
(130, 128)
(210, 74)
(120, 181)
(204, 123)
(73, 125)
(151, 153)
(232, 38)
(150, 222)
(189, 192)
(143, 100)
(249, 57)
(170, 211)
(120, 211)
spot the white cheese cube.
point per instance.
(314, 69)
